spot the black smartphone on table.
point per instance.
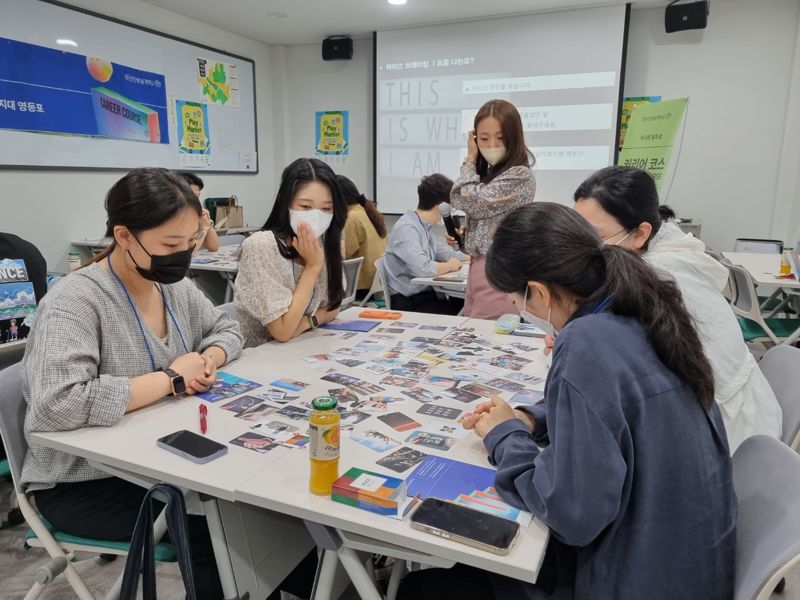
(466, 525)
(192, 446)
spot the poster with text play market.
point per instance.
(332, 129)
(652, 132)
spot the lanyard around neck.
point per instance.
(138, 318)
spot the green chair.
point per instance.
(756, 328)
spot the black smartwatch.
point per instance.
(176, 382)
(312, 321)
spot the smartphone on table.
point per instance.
(466, 525)
(192, 446)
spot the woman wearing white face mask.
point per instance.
(290, 273)
(496, 178)
(621, 203)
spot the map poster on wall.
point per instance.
(628, 104)
(52, 91)
(332, 129)
(652, 131)
(219, 82)
(194, 140)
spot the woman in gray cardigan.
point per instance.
(116, 336)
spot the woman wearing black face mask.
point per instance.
(113, 337)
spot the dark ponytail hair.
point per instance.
(353, 196)
(144, 199)
(299, 173)
(626, 193)
(569, 257)
(666, 213)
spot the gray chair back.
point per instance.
(230, 240)
(745, 299)
(12, 420)
(380, 272)
(766, 477)
(781, 367)
(352, 269)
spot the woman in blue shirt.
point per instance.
(626, 458)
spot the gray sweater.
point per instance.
(85, 347)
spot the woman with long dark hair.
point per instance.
(621, 203)
(496, 177)
(290, 275)
(364, 232)
(625, 459)
(115, 336)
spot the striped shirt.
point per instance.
(84, 350)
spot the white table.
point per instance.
(224, 262)
(283, 485)
(91, 246)
(278, 480)
(453, 285)
(762, 268)
(128, 450)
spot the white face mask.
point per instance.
(543, 324)
(493, 155)
(318, 220)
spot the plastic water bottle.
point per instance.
(324, 434)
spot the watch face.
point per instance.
(178, 385)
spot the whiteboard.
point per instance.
(169, 119)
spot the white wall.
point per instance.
(738, 74)
(52, 207)
(739, 167)
(313, 84)
(738, 171)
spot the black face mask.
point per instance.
(165, 268)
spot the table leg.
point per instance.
(326, 572)
(220, 546)
(358, 574)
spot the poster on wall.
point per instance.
(219, 82)
(332, 129)
(652, 133)
(628, 104)
(44, 90)
(194, 140)
(17, 300)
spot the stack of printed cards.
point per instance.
(370, 491)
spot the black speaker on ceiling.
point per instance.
(337, 47)
(680, 17)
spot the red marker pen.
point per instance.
(203, 413)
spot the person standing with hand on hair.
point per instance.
(496, 177)
(113, 337)
(291, 275)
(626, 458)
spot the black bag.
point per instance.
(141, 557)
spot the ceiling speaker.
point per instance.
(680, 17)
(337, 47)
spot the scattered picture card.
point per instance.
(254, 441)
(241, 404)
(401, 460)
(227, 386)
(354, 325)
(431, 440)
(399, 422)
(374, 440)
(439, 412)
